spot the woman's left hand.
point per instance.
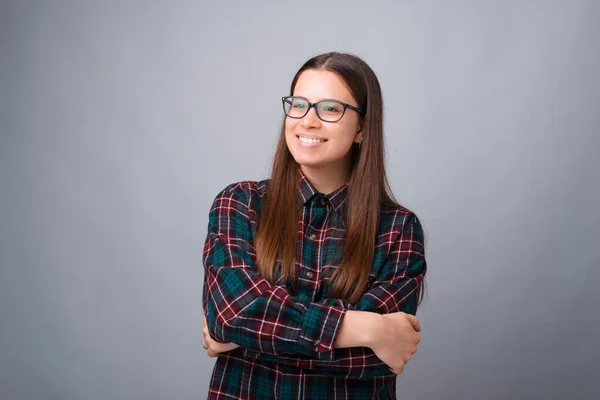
(214, 348)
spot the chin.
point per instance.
(307, 163)
(309, 160)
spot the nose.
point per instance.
(310, 120)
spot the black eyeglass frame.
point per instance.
(314, 105)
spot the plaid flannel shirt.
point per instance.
(286, 336)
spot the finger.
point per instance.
(397, 371)
(414, 321)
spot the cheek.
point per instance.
(345, 133)
(289, 131)
(290, 125)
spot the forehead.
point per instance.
(317, 85)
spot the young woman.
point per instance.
(313, 277)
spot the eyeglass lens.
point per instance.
(328, 110)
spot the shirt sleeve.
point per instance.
(242, 307)
(394, 289)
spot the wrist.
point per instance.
(372, 329)
(359, 329)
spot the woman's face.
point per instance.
(332, 150)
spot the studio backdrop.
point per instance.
(121, 121)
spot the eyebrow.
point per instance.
(324, 99)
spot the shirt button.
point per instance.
(313, 236)
(316, 343)
(309, 274)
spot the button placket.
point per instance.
(318, 215)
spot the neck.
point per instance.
(326, 180)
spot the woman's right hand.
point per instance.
(212, 347)
(395, 339)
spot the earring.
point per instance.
(358, 144)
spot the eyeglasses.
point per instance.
(327, 110)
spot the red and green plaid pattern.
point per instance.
(286, 335)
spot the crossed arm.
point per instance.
(243, 309)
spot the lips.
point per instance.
(310, 139)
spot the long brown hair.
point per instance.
(368, 189)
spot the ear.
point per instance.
(359, 126)
(358, 138)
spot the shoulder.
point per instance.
(245, 196)
(397, 218)
(245, 189)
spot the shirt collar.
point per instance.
(337, 198)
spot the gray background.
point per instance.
(120, 121)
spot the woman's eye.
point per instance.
(299, 105)
(330, 109)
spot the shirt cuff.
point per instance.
(320, 327)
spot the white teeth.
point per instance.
(310, 140)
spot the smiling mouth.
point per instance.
(310, 140)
